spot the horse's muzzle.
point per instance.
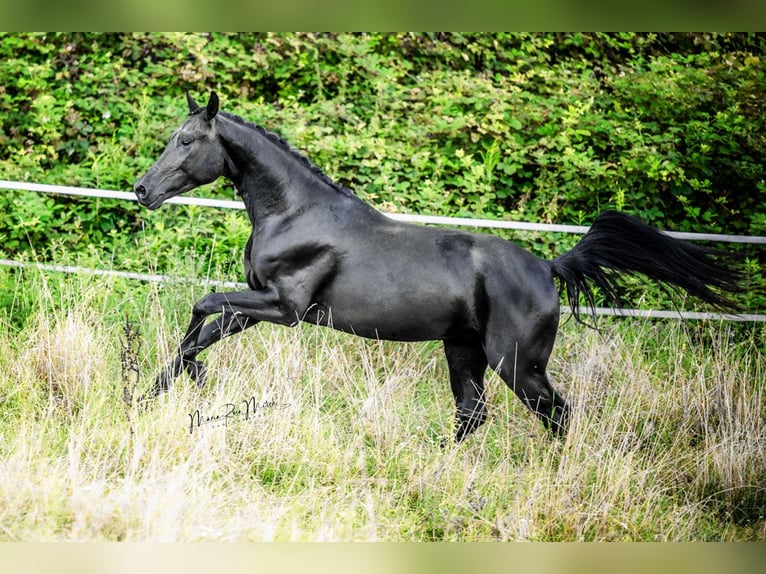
(140, 192)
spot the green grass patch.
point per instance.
(666, 443)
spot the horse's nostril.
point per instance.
(140, 191)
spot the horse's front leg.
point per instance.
(239, 311)
(223, 326)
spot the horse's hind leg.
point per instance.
(467, 364)
(531, 385)
(521, 362)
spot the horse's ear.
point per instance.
(193, 106)
(212, 106)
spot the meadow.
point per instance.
(309, 434)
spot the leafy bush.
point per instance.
(546, 127)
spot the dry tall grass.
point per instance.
(667, 441)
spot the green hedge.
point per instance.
(539, 127)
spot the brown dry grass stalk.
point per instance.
(667, 439)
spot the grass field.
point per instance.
(342, 437)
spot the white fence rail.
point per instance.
(434, 219)
(429, 219)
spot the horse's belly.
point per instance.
(395, 321)
(409, 291)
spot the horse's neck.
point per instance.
(275, 183)
(270, 179)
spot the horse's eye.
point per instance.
(186, 141)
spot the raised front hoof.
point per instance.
(162, 384)
(146, 399)
(198, 372)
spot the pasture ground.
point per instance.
(342, 437)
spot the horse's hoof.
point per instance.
(198, 372)
(162, 384)
(146, 399)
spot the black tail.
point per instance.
(620, 243)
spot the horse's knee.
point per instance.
(208, 304)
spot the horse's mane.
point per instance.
(284, 144)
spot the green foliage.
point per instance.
(541, 127)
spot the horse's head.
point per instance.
(194, 156)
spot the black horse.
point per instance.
(319, 254)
